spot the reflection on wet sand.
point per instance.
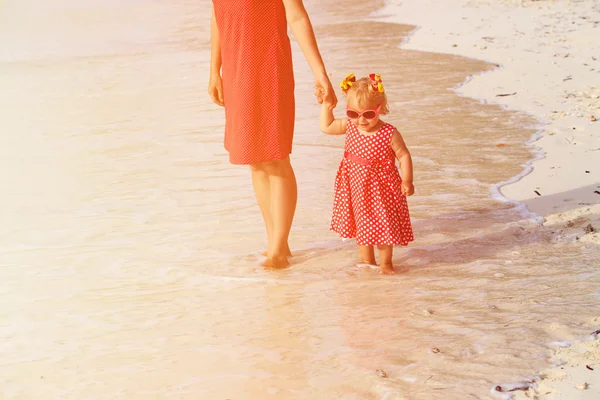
(130, 248)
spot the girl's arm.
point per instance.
(403, 155)
(215, 85)
(329, 124)
(301, 26)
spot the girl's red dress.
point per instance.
(368, 201)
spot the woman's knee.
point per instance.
(275, 167)
(258, 167)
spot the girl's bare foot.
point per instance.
(367, 254)
(385, 259)
(276, 262)
(387, 269)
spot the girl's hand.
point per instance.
(215, 90)
(408, 188)
(320, 95)
(324, 91)
(319, 92)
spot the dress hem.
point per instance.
(403, 244)
(277, 158)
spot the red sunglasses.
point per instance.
(368, 114)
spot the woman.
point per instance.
(251, 75)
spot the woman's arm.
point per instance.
(403, 155)
(300, 24)
(329, 124)
(215, 85)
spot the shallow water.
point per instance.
(129, 247)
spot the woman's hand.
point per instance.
(408, 189)
(328, 102)
(215, 90)
(324, 91)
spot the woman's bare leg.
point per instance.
(367, 254)
(385, 258)
(262, 191)
(278, 197)
(284, 196)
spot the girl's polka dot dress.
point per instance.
(368, 202)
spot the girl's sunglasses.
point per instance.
(367, 114)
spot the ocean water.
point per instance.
(130, 247)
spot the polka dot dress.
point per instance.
(368, 201)
(258, 79)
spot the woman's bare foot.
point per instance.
(387, 269)
(276, 263)
(289, 253)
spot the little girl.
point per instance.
(370, 197)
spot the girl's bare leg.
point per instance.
(277, 196)
(385, 258)
(367, 254)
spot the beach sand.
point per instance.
(130, 248)
(549, 67)
(575, 376)
(548, 60)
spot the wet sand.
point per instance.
(548, 68)
(129, 276)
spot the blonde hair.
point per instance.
(363, 91)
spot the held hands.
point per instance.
(215, 90)
(408, 189)
(324, 91)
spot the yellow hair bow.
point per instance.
(347, 82)
(376, 83)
